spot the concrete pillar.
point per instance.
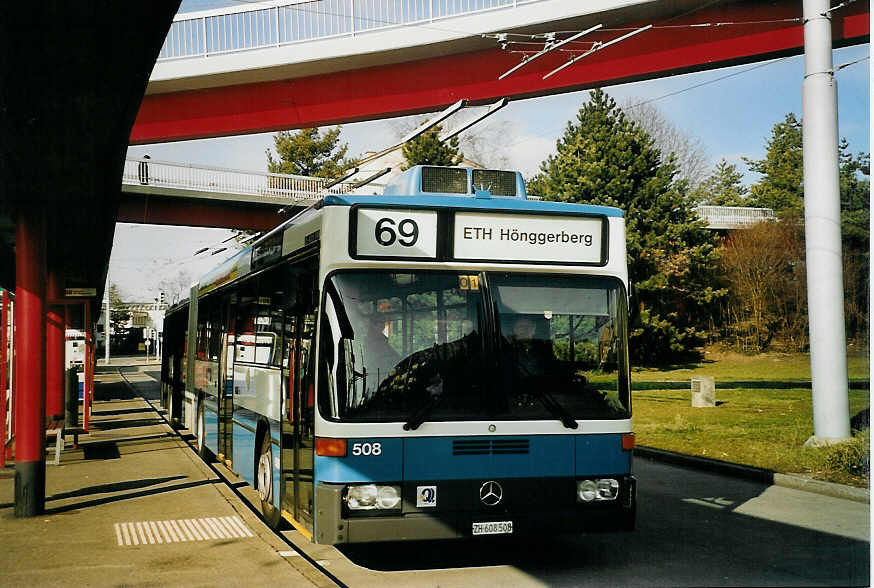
(822, 229)
(30, 353)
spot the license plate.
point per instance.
(499, 528)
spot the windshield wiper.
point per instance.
(556, 409)
(419, 416)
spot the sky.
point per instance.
(730, 111)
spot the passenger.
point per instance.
(379, 356)
(530, 351)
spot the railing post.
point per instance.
(352, 17)
(276, 22)
(203, 31)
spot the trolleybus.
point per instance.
(448, 359)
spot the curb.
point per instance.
(647, 385)
(755, 474)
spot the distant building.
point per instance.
(142, 315)
(724, 218)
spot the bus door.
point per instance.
(290, 415)
(226, 383)
(305, 441)
(298, 417)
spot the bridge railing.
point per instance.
(733, 217)
(185, 176)
(272, 24)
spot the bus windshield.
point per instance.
(450, 346)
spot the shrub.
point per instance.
(852, 457)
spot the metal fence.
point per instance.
(185, 176)
(293, 21)
(733, 217)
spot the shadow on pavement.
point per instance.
(688, 534)
(113, 487)
(121, 411)
(125, 424)
(140, 494)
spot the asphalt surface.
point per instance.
(133, 505)
(695, 527)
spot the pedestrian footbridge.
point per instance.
(165, 192)
(284, 64)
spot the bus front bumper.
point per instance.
(335, 528)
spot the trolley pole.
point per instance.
(822, 229)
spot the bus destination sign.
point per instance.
(525, 237)
(396, 233)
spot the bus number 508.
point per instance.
(366, 448)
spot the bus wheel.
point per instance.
(264, 479)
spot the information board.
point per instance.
(526, 237)
(396, 233)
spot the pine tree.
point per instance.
(309, 153)
(426, 149)
(604, 158)
(723, 187)
(781, 187)
(855, 227)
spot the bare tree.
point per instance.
(691, 156)
(480, 143)
(176, 287)
(764, 266)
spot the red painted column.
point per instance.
(4, 374)
(55, 347)
(89, 369)
(30, 353)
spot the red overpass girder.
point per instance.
(200, 212)
(430, 84)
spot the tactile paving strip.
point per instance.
(181, 530)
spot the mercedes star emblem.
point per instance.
(491, 493)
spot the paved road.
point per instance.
(694, 529)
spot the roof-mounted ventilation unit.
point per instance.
(457, 181)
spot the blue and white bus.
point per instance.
(448, 359)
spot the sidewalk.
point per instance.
(133, 505)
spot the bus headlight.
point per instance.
(597, 490)
(608, 489)
(373, 497)
(587, 490)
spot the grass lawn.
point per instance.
(736, 366)
(765, 428)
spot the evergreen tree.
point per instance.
(855, 197)
(118, 317)
(855, 226)
(309, 153)
(426, 149)
(781, 187)
(723, 187)
(604, 158)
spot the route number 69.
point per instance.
(367, 449)
(405, 232)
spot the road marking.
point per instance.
(180, 530)
(289, 554)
